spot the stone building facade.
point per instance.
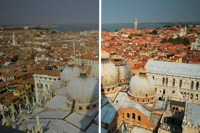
(179, 81)
(44, 80)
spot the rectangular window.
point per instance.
(139, 118)
(133, 115)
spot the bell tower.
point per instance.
(135, 25)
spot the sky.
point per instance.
(125, 11)
(16, 12)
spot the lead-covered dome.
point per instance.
(109, 75)
(124, 71)
(95, 71)
(69, 72)
(83, 90)
(142, 86)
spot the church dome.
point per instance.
(69, 72)
(95, 71)
(104, 55)
(124, 72)
(109, 75)
(83, 90)
(142, 86)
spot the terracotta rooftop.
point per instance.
(48, 72)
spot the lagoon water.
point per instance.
(77, 27)
(113, 27)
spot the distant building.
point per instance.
(87, 62)
(196, 45)
(183, 32)
(135, 24)
(14, 41)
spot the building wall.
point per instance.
(86, 62)
(178, 87)
(143, 122)
(43, 83)
(25, 90)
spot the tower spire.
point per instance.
(14, 42)
(135, 26)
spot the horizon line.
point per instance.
(152, 22)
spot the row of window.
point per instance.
(46, 78)
(192, 96)
(109, 89)
(133, 116)
(144, 100)
(39, 85)
(165, 82)
(88, 107)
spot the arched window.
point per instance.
(197, 85)
(180, 83)
(80, 108)
(133, 116)
(163, 80)
(173, 82)
(88, 107)
(164, 91)
(153, 77)
(166, 81)
(127, 115)
(139, 118)
(192, 85)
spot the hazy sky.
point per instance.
(48, 11)
(125, 11)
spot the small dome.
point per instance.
(83, 71)
(104, 55)
(124, 72)
(71, 63)
(68, 73)
(142, 86)
(95, 71)
(84, 89)
(117, 57)
(109, 75)
(142, 70)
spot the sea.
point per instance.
(114, 27)
(111, 26)
(107, 27)
(119, 26)
(76, 27)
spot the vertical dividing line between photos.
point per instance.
(100, 66)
